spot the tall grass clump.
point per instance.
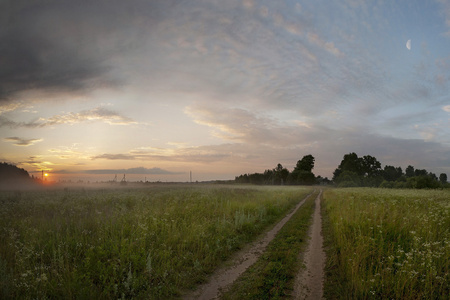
(127, 243)
(387, 244)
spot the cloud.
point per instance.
(266, 77)
(70, 153)
(35, 58)
(115, 157)
(327, 46)
(219, 50)
(7, 107)
(446, 108)
(328, 149)
(97, 114)
(241, 125)
(68, 46)
(22, 142)
(138, 170)
(268, 140)
(445, 11)
(37, 162)
(201, 154)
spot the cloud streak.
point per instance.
(22, 142)
(97, 114)
(138, 170)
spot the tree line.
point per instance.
(356, 171)
(302, 174)
(12, 176)
(353, 171)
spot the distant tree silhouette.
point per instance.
(12, 176)
(366, 171)
(9, 171)
(279, 175)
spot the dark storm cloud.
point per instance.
(68, 45)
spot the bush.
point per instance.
(387, 184)
(347, 184)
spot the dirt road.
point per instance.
(309, 282)
(241, 261)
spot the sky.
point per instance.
(156, 89)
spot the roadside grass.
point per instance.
(387, 244)
(272, 276)
(128, 243)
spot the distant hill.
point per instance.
(13, 177)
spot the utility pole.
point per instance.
(190, 176)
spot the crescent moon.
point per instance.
(408, 44)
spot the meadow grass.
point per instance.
(387, 244)
(148, 243)
(272, 276)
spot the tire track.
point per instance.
(309, 282)
(241, 261)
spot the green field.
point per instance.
(162, 241)
(130, 242)
(387, 244)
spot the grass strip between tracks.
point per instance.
(272, 276)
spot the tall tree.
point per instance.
(281, 174)
(409, 171)
(302, 173)
(354, 171)
(370, 166)
(391, 173)
(305, 164)
(349, 163)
